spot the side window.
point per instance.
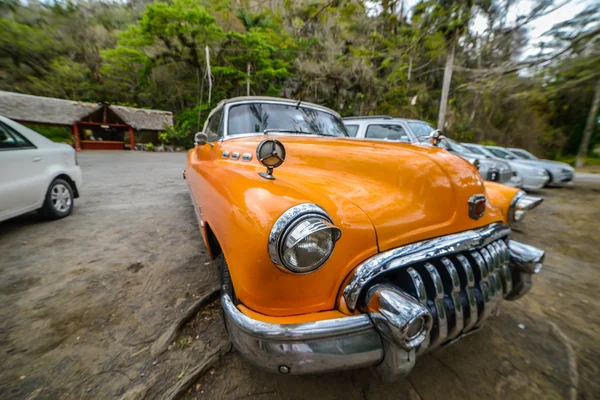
(214, 128)
(387, 132)
(352, 130)
(10, 139)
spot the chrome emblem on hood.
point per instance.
(477, 206)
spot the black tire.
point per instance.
(226, 283)
(62, 204)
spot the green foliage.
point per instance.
(150, 146)
(341, 54)
(55, 133)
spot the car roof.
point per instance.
(243, 99)
(471, 144)
(382, 118)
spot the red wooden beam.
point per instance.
(131, 141)
(77, 140)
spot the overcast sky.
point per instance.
(536, 28)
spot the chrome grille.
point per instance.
(460, 290)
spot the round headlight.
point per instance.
(302, 239)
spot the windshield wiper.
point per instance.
(267, 131)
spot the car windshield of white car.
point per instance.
(522, 155)
(285, 118)
(420, 128)
(474, 149)
(459, 148)
(500, 153)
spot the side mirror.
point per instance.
(200, 139)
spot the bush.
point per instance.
(150, 147)
(55, 133)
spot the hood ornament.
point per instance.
(477, 206)
(271, 154)
(436, 137)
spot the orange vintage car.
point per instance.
(339, 253)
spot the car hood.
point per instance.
(409, 192)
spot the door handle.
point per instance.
(37, 159)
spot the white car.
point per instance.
(35, 173)
(534, 177)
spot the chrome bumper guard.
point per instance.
(413, 299)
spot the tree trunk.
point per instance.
(248, 79)
(589, 128)
(446, 84)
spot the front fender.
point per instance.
(241, 215)
(500, 196)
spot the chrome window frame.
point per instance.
(227, 107)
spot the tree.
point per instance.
(589, 128)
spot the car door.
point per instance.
(203, 162)
(22, 181)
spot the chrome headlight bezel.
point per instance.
(519, 205)
(288, 222)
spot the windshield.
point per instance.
(501, 153)
(352, 130)
(258, 117)
(474, 149)
(420, 128)
(523, 154)
(458, 148)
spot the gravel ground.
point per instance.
(84, 298)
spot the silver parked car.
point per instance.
(415, 131)
(35, 173)
(560, 173)
(533, 177)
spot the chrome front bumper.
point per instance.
(396, 324)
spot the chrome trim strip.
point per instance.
(419, 286)
(417, 252)
(471, 318)
(484, 284)
(455, 297)
(506, 280)
(440, 330)
(305, 331)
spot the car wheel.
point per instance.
(226, 283)
(59, 200)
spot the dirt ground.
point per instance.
(84, 298)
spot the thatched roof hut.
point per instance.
(51, 111)
(104, 126)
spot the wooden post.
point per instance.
(131, 141)
(76, 134)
